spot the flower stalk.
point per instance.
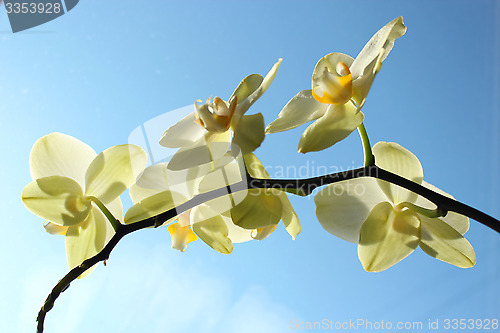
(367, 148)
(444, 204)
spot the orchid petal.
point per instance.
(250, 133)
(153, 180)
(56, 199)
(289, 217)
(247, 86)
(213, 231)
(209, 148)
(301, 109)
(458, 221)
(387, 237)
(443, 242)
(58, 154)
(335, 125)
(244, 104)
(183, 133)
(264, 232)
(181, 236)
(254, 166)
(228, 178)
(341, 208)
(330, 62)
(236, 234)
(113, 171)
(363, 83)
(215, 117)
(152, 206)
(333, 88)
(399, 160)
(382, 40)
(55, 229)
(87, 239)
(260, 208)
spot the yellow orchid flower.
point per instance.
(160, 189)
(239, 216)
(340, 85)
(67, 174)
(207, 133)
(389, 222)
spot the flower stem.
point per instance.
(112, 220)
(431, 213)
(367, 148)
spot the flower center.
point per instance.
(215, 116)
(334, 88)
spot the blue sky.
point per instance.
(105, 68)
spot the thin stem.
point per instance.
(114, 222)
(431, 213)
(367, 148)
(444, 204)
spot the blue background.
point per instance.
(106, 67)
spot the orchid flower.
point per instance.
(389, 222)
(160, 189)
(67, 176)
(207, 132)
(340, 85)
(239, 216)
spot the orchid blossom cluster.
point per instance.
(78, 191)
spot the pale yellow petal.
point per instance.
(263, 233)
(58, 154)
(153, 180)
(301, 109)
(342, 207)
(113, 171)
(229, 180)
(255, 167)
(289, 217)
(399, 160)
(459, 222)
(181, 236)
(249, 133)
(260, 208)
(116, 208)
(213, 231)
(244, 104)
(383, 40)
(333, 88)
(207, 149)
(330, 62)
(441, 241)
(362, 84)
(335, 125)
(56, 199)
(387, 237)
(247, 86)
(158, 178)
(235, 233)
(183, 133)
(151, 206)
(55, 229)
(87, 239)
